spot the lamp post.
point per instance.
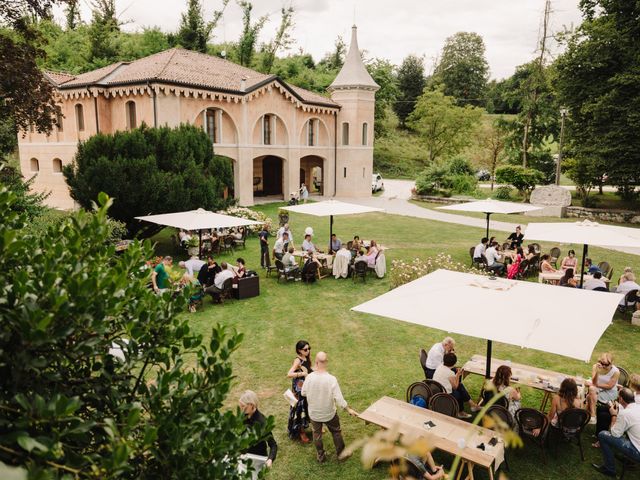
(563, 115)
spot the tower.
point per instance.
(355, 91)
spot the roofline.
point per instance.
(273, 78)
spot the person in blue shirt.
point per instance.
(590, 268)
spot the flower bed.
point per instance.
(404, 272)
(249, 214)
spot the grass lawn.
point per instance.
(373, 356)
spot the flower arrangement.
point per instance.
(406, 271)
(249, 214)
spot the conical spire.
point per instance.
(353, 73)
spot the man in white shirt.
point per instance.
(194, 264)
(279, 247)
(595, 282)
(225, 274)
(290, 263)
(628, 284)
(285, 229)
(323, 395)
(480, 249)
(493, 259)
(436, 354)
(307, 244)
(624, 435)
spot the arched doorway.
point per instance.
(312, 173)
(267, 176)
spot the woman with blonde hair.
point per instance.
(603, 389)
(248, 404)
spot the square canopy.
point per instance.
(491, 206)
(199, 219)
(563, 321)
(585, 232)
(330, 208)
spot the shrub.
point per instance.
(455, 176)
(243, 212)
(523, 179)
(503, 193)
(431, 180)
(407, 271)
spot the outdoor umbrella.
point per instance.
(564, 321)
(329, 208)
(199, 220)
(587, 233)
(490, 206)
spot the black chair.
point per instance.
(242, 242)
(530, 419)
(624, 379)
(434, 386)
(270, 268)
(571, 423)
(423, 362)
(225, 292)
(474, 262)
(487, 395)
(555, 255)
(630, 300)
(444, 403)
(360, 271)
(502, 414)
(604, 268)
(610, 274)
(523, 270)
(418, 388)
(227, 245)
(534, 266)
(310, 272)
(600, 289)
(627, 464)
(215, 246)
(282, 273)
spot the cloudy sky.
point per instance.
(389, 29)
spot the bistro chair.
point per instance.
(418, 388)
(473, 261)
(215, 246)
(604, 268)
(267, 265)
(571, 423)
(528, 420)
(523, 270)
(600, 289)
(360, 271)
(434, 386)
(500, 413)
(555, 253)
(630, 300)
(610, 274)
(227, 244)
(624, 379)
(423, 362)
(311, 273)
(534, 266)
(281, 270)
(242, 241)
(444, 403)
(627, 464)
(487, 395)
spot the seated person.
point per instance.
(184, 237)
(290, 263)
(590, 268)
(426, 468)
(435, 357)
(238, 233)
(628, 283)
(197, 292)
(218, 284)
(452, 383)
(531, 252)
(307, 244)
(372, 253)
(493, 259)
(545, 264)
(595, 282)
(502, 383)
(240, 270)
(568, 279)
(570, 261)
(567, 397)
(603, 388)
(310, 263)
(478, 252)
(356, 245)
(515, 238)
(514, 268)
(280, 246)
(335, 244)
(208, 272)
(626, 270)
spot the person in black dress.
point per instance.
(299, 414)
(516, 238)
(267, 447)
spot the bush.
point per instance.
(523, 179)
(249, 214)
(503, 193)
(455, 176)
(404, 272)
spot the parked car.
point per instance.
(483, 175)
(377, 183)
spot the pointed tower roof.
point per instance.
(353, 73)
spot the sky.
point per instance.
(387, 29)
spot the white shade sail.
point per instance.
(199, 219)
(559, 320)
(585, 232)
(330, 208)
(491, 206)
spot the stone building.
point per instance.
(277, 135)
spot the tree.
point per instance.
(72, 14)
(599, 82)
(411, 83)
(282, 40)
(463, 70)
(150, 170)
(444, 127)
(523, 179)
(382, 72)
(335, 59)
(492, 141)
(586, 174)
(99, 377)
(25, 202)
(103, 33)
(249, 36)
(194, 31)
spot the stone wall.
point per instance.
(603, 215)
(441, 200)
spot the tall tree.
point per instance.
(72, 14)
(382, 71)
(195, 31)
(599, 82)
(411, 83)
(463, 70)
(103, 33)
(492, 140)
(250, 32)
(335, 59)
(281, 41)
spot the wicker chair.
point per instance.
(487, 395)
(624, 379)
(444, 403)
(554, 253)
(418, 388)
(242, 242)
(604, 268)
(270, 268)
(571, 423)
(435, 387)
(423, 362)
(502, 414)
(610, 274)
(530, 419)
(360, 271)
(310, 275)
(630, 300)
(227, 245)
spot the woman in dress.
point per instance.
(372, 253)
(568, 279)
(567, 397)
(514, 268)
(531, 252)
(545, 265)
(502, 382)
(603, 389)
(304, 193)
(240, 270)
(570, 261)
(299, 414)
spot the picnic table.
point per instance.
(448, 434)
(547, 381)
(556, 276)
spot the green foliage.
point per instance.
(25, 202)
(8, 137)
(249, 37)
(399, 154)
(150, 170)
(599, 81)
(586, 174)
(523, 179)
(456, 176)
(463, 70)
(445, 128)
(382, 71)
(281, 41)
(194, 32)
(71, 408)
(411, 83)
(503, 193)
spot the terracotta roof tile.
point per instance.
(58, 78)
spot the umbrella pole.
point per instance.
(199, 243)
(487, 373)
(488, 215)
(330, 229)
(585, 250)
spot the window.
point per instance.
(363, 172)
(35, 165)
(59, 123)
(57, 165)
(79, 118)
(32, 129)
(365, 132)
(266, 129)
(211, 124)
(311, 127)
(345, 134)
(345, 172)
(130, 108)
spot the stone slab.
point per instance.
(548, 211)
(551, 195)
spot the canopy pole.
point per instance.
(487, 373)
(585, 250)
(330, 229)
(199, 243)
(488, 215)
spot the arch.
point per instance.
(34, 165)
(218, 124)
(278, 129)
(130, 114)
(322, 136)
(314, 170)
(79, 109)
(57, 165)
(268, 176)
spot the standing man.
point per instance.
(285, 229)
(323, 395)
(160, 277)
(263, 236)
(435, 357)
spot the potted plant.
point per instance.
(193, 246)
(283, 216)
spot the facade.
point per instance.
(277, 135)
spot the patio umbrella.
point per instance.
(199, 220)
(587, 233)
(563, 321)
(490, 206)
(329, 208)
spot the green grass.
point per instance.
(373, 356)
(606, 200)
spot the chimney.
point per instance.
(243, 84)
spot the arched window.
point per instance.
(345, 133)
(365, 133)
(35, 165)
(79, 117)
(211, 120)
(311, 132)
(57, 165)
(267, 129)
(130, 109)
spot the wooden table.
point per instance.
(556, 276)
(449, 434)
(547, 381)
(324, 258)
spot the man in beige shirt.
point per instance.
(323, 395)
